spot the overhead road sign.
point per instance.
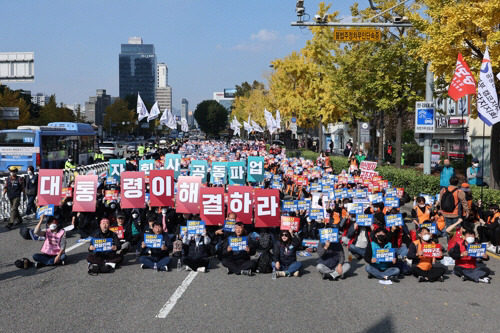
(357, 35)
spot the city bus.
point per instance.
(46, 147)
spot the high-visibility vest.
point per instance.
(140, 149)
(69, 165)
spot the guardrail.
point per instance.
(68, 177)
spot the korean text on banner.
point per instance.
(188, 195)
(116, 167)
(49, 187)
(255, 169)
(267, 208)
(132, 189)
(85, 194)
(212, 205)
(161, 185)
(240, 202)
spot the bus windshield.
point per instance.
(17, 139)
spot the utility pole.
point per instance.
(429, 97)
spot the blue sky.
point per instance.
(208, 45)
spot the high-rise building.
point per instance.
(137, 70)
(94, 108)
(40, 99)
(163, 90)
(184, 108)
(190, 118)
(226, 102)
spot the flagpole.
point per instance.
(482, 163)
(463, 143)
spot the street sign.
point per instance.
(425, 118)
(364, 132)
(9, 113)
(357, 35)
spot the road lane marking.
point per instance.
(176, 295)
(74, 246)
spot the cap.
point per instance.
(475, 160)
(104, 220)
(120, 215)
(13, 169)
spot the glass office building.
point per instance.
(137, 63)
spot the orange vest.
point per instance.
(440, 222)
(492, 219)
(423, 216)
(425, 263)
(455, 197)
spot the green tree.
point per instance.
(245, 88)
(117, 114)
(211, 117)
(9, 98)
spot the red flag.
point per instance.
(463, 82)
(85, 193)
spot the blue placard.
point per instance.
(364, 220)
(229, 225)
(356, 208)
(238, 244)
(102, 244)
(376, 198)
(47, 210)
(268, 175)
(391, 202)
(329, 235)
(313, 243)
(431, 226)
(303, 204)
(394, 220)
(196, 227)
(316, 214)
(276, 184)
(288, 206)
(153, 241)
(385, 255)
(476, 250)
(218, 173)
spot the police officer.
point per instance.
(98, 156)
(140, 150)
(13, 190)
(69, 163)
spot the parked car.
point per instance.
(111, 150)
(132, 147)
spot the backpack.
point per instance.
(264, 262)
(265, 241)
(448, 200)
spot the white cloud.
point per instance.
(265, 35)
(246, 46)
(291, 39)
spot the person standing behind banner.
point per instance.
(31, 188)
(238, 262)
(156, 256)
(13, 190)
(104, 262)
(423, 267)
(197, 258)
(446, 172)
(54, 245)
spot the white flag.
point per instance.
(171, 122)
(247, 126)
(142, 111)
(256, 127)
(164, 117)
(487, 98)
(184, 125)
(270, 122)
(278, 120)
(155, 112)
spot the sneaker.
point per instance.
(249, 272)
(111, 264)
(106, 268)
(63, 263)
(143, 267)
(394, 279)
(201, 269)
(463, 277)
(342, 276)
(9, 226)
(278, 273)
(94, 269)
(492, 248)
(441, 278)
(326, 276)
(37, 264)
(188, 268)
(228, 271)
(421, 279)
(334, 276)
(484, 280)
(296, 274)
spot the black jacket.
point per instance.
(332, 256)
(158, 253)
(109, 234)
(286, 255)
(241, 255)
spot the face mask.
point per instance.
(53, 226)
(446, 165)
(470, 240)
(13, 174)
(70, 159)
(70, 203)
(113, 206)
(381, 238)
(135, 215)
(421, 206)
(426, 237)
(164, 211)
(476, 165)
(30, 173)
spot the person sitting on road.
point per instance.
(104, 262)
(489, 230)
(54, 244)
(423, 267)
(197, 258)
(380, 270)
(156, 257)
(465, 265)
(123, 231)
(359, 238)
(331, 259)
(238, 262)
(285, 255)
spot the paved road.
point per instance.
(66, 299)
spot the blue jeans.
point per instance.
(401, 251)
(161, 264)
(357, 250)
(292, 268)
(450, 220)
(391, 271)
(47, 260)
(30, 207)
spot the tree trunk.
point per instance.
(320, 134)
(399, 130)
(381, 139)
(495, 157)
(354, 135)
